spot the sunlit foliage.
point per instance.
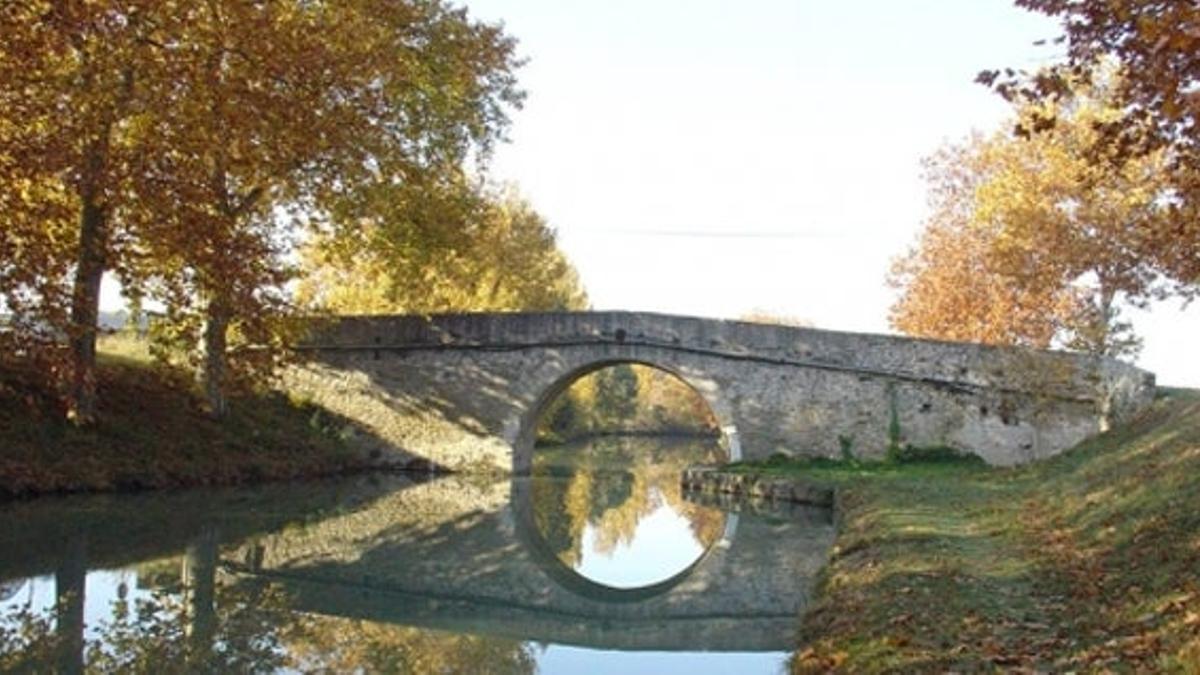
(1032, 242)
(1156, 47)
(182, 146)
(626, 398)
(454, 247)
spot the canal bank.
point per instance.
(1086, 561)
(152, 433)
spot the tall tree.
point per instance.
(295, 104)
(175, 133)
(616, 394)
(951, 287)
(186, 140)
(71, 74)
(1156, 45)
(1032, 241)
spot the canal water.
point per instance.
(597, 563)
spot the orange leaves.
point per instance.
(817, 659)
(1156, 48)
(1033, 241)
(203, 134)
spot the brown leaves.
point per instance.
(1156, 48)
(818, 659)
(195, 127)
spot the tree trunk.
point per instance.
(85, 309)
(212, 370)
(93, 254)
(1107, 295)
(1104, 348)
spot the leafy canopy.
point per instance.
(1031, 242)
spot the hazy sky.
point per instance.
(710, 157)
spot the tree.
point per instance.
(70, 78)
(1030, 241)
(1156, 46)
(616, 395)
(189, 140)
(760, 315)
(454, 248)
(602, 402)
(293, 104)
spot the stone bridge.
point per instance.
(465, 391)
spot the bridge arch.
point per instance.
(547, 386)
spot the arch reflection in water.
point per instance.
(611, 509)
(381, 574)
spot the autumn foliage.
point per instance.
(1032, 242)
(187, 147)
(1155, 46)
(499, 255)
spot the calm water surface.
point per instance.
(597, 563)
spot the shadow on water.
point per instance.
(384, 573)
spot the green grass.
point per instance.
(152, 433)
(1088, 562)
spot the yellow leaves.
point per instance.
(1152, 50)
(196, 126)
(498, 256)
(1031, 239)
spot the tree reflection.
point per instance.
(610, 484)
(333, 644)
(28, 643)
(190, 615)
(252, 628)
(155, 634)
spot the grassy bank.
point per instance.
(1089, 561)
(152, 433)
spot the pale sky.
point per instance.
(709, 157)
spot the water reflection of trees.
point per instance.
(150, 635)
(611, 484)
(188, 615)
(333, 644)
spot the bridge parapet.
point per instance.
(1049, 373)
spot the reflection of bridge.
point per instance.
(447, 554)
(476, 567)
(466, 390)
